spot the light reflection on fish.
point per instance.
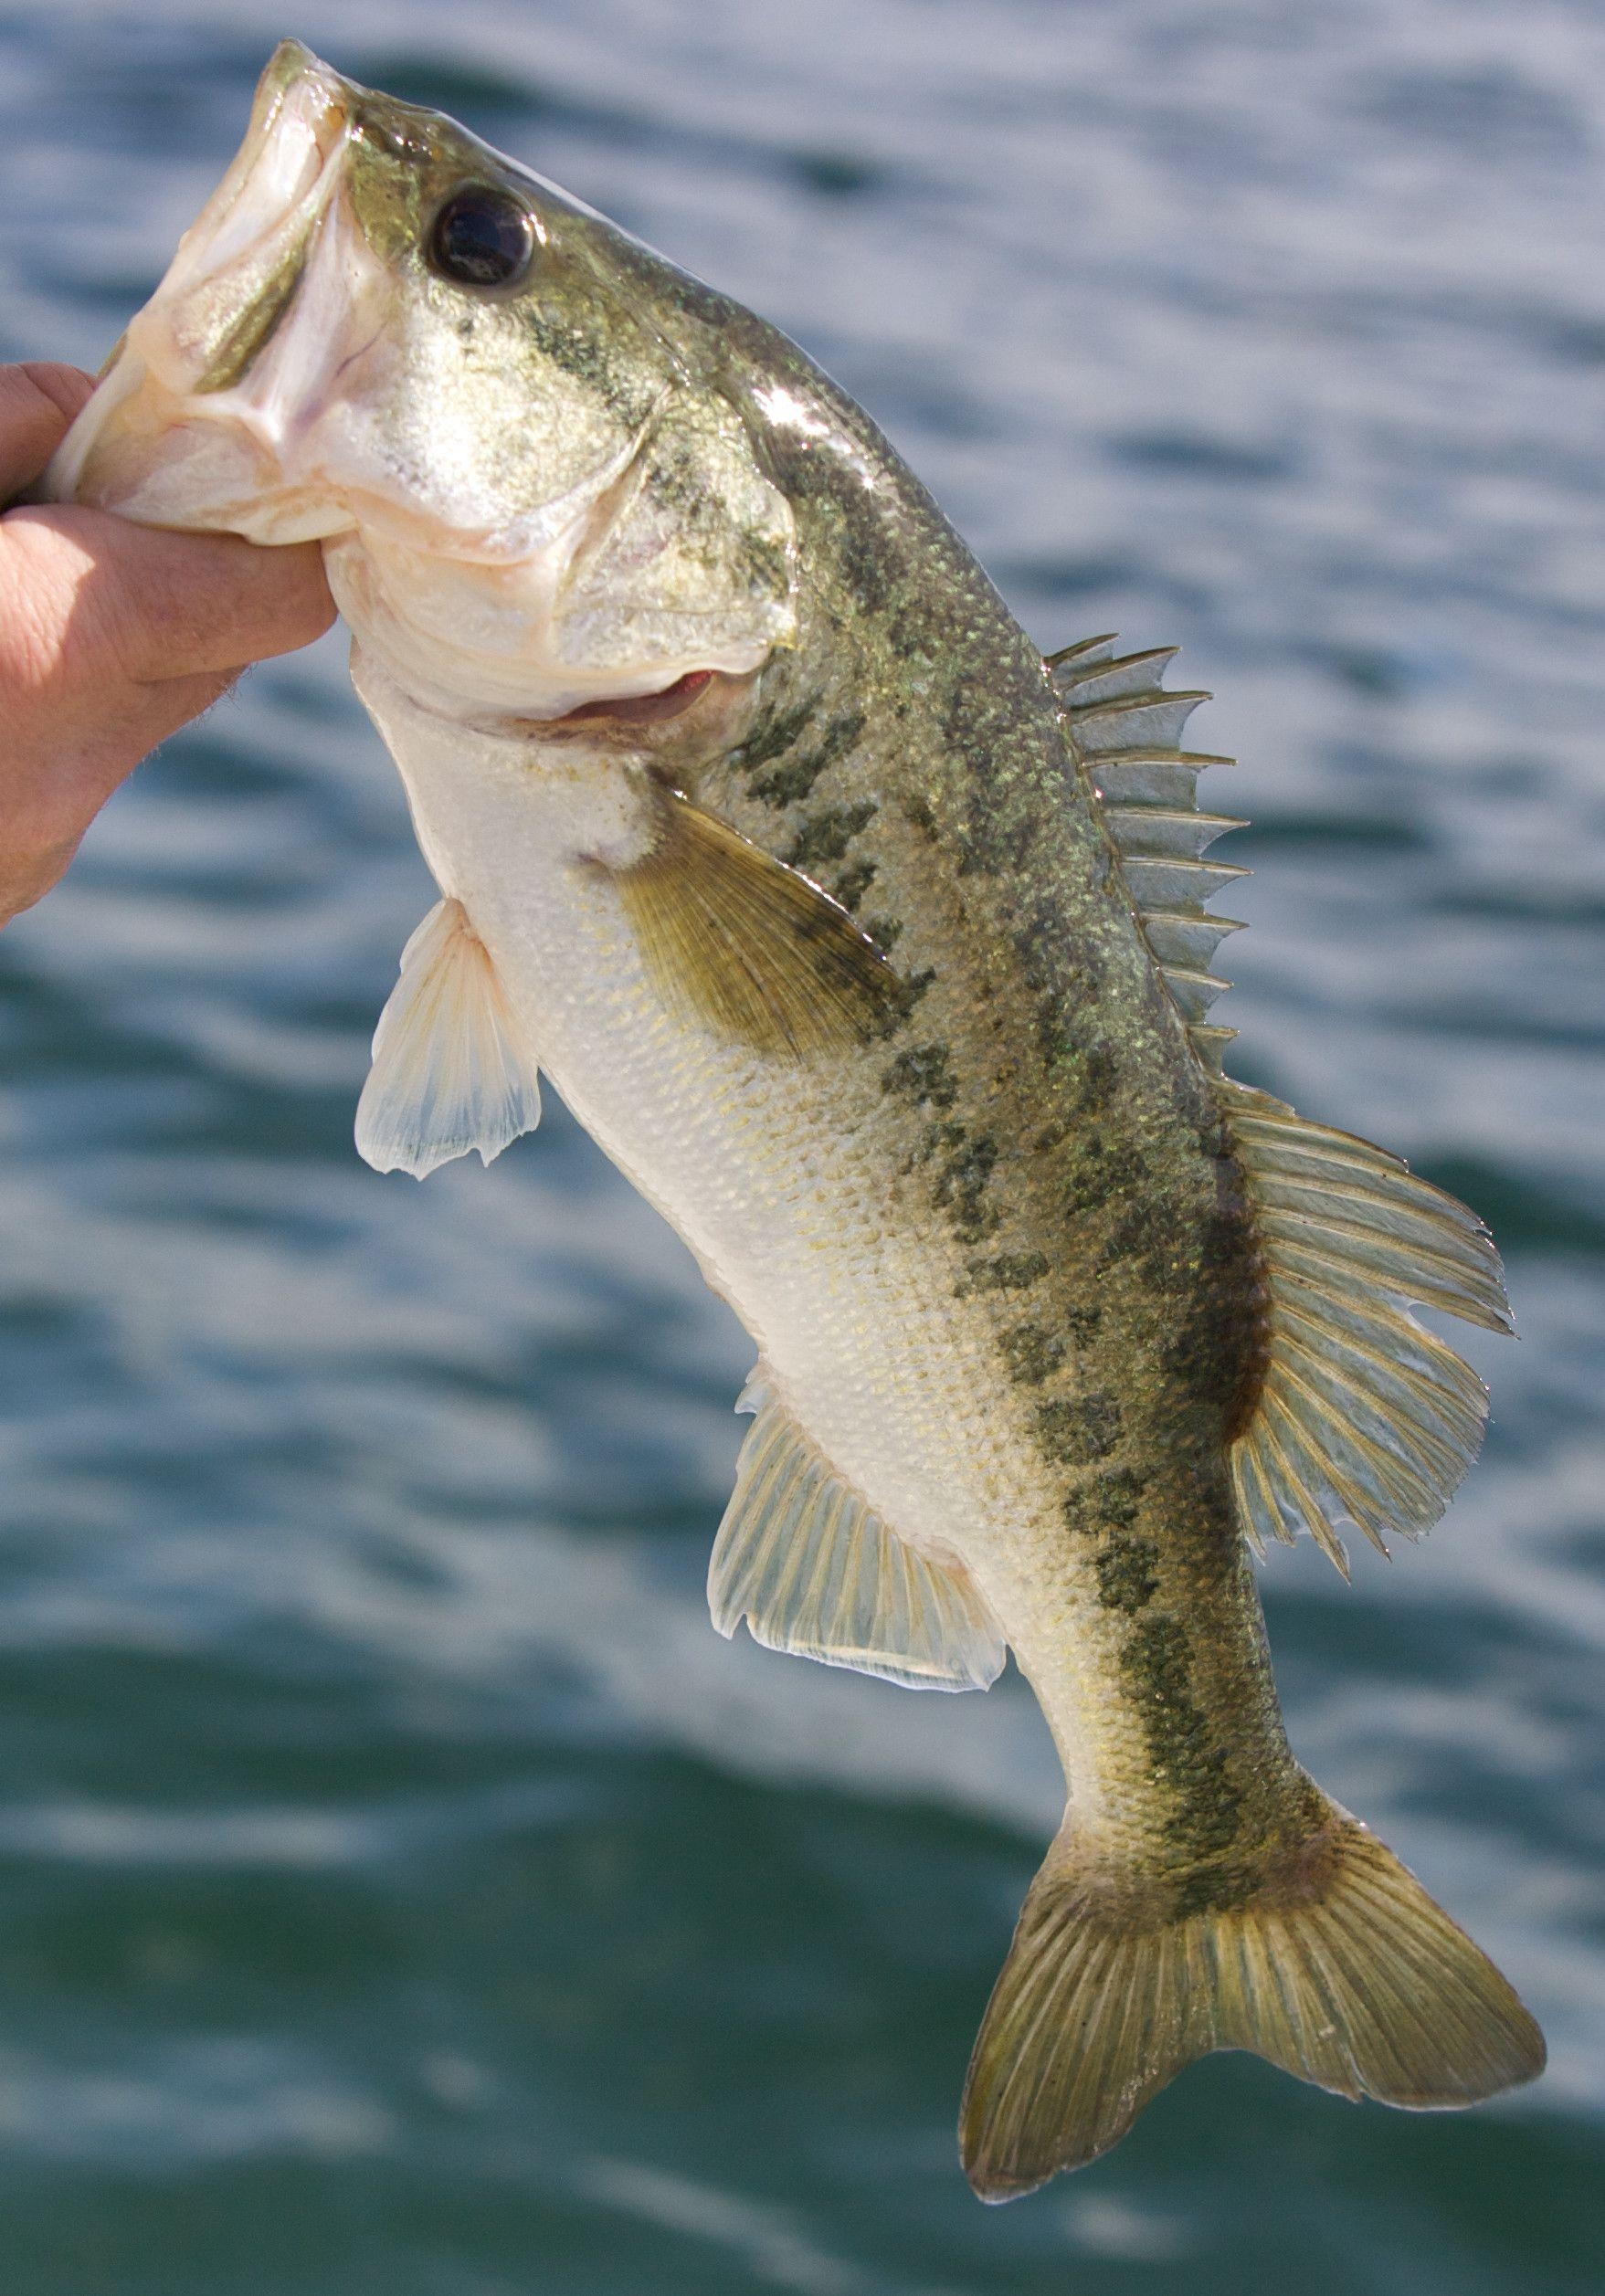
(873, 950)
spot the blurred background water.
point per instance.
(402, 1889)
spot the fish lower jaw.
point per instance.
(160, 455)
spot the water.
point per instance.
(401, 1888)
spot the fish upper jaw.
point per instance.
(201, 406)
(271, 196)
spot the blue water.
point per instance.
(401, 1890)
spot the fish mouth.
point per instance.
(179, 434)
(209, 413)
(268, 388)
(279, 181)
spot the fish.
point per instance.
(873, 947)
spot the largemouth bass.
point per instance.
(873, 949)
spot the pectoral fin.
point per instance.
(449, 1073)
(801, 1558)
(749, 948)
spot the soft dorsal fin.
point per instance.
(802, 1559)
(741, 944)
(1124, 728)
(1361, 1413)
(449, 1073)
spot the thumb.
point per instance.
(154, 604)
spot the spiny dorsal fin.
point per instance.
(1361, 1413)
(1126, 728)
(750, 948)
(802, 1559)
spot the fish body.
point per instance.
(1021, 1365)
(872, 949)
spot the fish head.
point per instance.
(504, 418)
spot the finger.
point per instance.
(25, 880)
(164, 707)
(161, 605)
(50, 801)
(37, 404)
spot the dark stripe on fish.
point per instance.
(243, 343)
(1156, 1661)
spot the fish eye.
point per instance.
(482, 237)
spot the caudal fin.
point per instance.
(1342, 1970)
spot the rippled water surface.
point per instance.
(402, 1889)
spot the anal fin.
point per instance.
(449, 1074)
(802, 1559)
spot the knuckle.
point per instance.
(185, 606)
(63, 389)
(142, 610)
(41, 399)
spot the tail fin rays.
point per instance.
(1343, 1971)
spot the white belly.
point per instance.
(772, 1178)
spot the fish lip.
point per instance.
(236, 222)
(297, 94)
(564, 524)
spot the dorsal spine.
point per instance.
(1124, 727)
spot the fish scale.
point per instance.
(875, 951)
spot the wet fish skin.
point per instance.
(1042, 1105)
(947, 1146)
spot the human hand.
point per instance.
(111, 637)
